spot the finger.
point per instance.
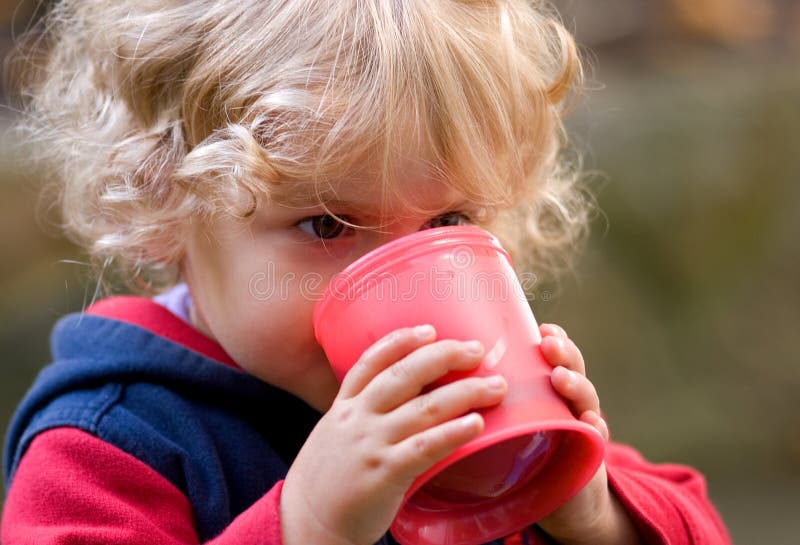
(597, 422)
(559, 351)
(383, 353)
(577, 389)
(419, 452)
(405, 379)
(442, 404)
(553, 329)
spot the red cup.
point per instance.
(533, 454)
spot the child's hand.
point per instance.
(348, 481)
(594, 515)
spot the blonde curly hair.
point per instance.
(157, 113)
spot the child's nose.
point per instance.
(386, 234)
(398, 229)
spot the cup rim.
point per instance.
(593, 449)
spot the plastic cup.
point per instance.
(533, 454)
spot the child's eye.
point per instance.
(447, 220)
(324, 226)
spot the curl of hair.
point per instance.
(153, 114)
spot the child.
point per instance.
(200, 143)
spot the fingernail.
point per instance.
(424, 331)
(496, 382)
(605, 432)
(474, 348)
(568, 375)
(599, 423)
(471, 420)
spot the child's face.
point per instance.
(254, 285)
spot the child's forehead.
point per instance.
(412, 192)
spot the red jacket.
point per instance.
(71, 487)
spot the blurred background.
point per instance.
(686, 303)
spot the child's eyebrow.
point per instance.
(301, 202)
(371, 213)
